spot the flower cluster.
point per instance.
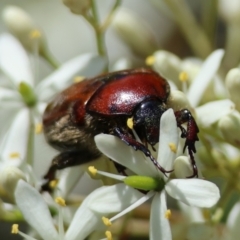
(204, 77)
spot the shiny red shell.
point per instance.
(109, 94)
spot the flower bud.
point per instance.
(77, 6)
(233, 86)
(9, 177)
(21, 25)
(182, 167)
(133, 30)
(168, 65)
(178, 100)
(230, 10)
(229, 126)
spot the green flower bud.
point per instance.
(21, 25)
(182, 167)
(144, 183)
(9, 177)
(134, 32)
(229, 126)
(27, 94)
(78, 6)
(233, 86)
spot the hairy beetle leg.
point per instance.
(138, 146)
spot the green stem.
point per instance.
(49, 58)
(194, 34)
(30, 144)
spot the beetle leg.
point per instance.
(64, 160)
(139, 146)
(184, 116)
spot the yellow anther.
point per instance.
(168, 214)
(78, 79)
(183, 77)
(14, 229)
(14, 155)
(173, 147)
(38, 128)
(35, 34)
(150, 60)
(92, 170)
(60, 201)
(106, 221)
(130, 123)
(108, 234)
(53, 183)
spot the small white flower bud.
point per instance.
(168, 65)
(134, 31)
(230, 10)
(21, 25)
(182, 167)
(178, 100)
(233, 86)
(78, 6)
(229, 126)
(9, 176)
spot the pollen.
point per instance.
(53, 183)
(60, 201)
(107, 221)
(14, 155)
(173, 147)
(14, 229)
(92, 170)
(183, 77)
(78, 79)
(168, 214)
(150, 60)
(35, 34)
(108, 235)
(38, 128)
(130, 123)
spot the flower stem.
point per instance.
(50, 58)
(193, 33)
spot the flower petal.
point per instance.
(69, 178)
(113, 199)
(35, 210)
(233, 222)
(84, 65)
(193, 192)
(206, 74)
(168, 135)
(16, 139)
(211, 112)
(14, 61)
(120, 152)
(159, 224)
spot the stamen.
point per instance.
(60, 201)
(173, 147)
(14, 155)
(150, 60)
(35, 34)
(108, 235)
(53, 183)
(14, 229)
(107, 221)
(183, 77)
(168, 214)
(78, 79)
(130, 123)
(38, 128)
(92, 170)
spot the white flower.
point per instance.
(84, 222)
(194, 192)
(26, 99)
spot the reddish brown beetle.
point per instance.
(103, 105)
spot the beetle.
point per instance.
(103, 105)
